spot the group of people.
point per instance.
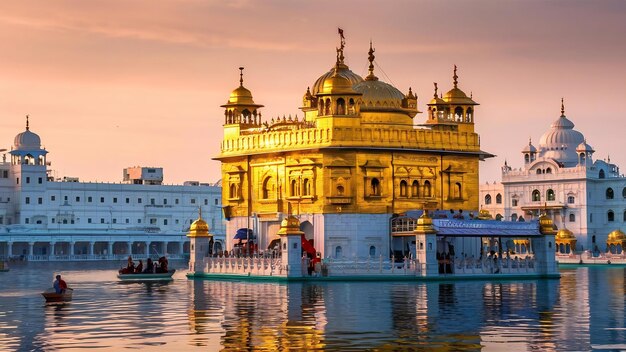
(152, 267)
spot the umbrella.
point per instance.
(244, 234)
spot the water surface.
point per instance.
(584, 310)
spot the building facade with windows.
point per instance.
(585, 197)
(43, 218)
(349, 163)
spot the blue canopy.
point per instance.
(244, 234)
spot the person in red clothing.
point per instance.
(59, 285)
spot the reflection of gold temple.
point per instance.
(352, 160)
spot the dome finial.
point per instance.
(435, 83)
(342, 42)
(562, 108)
(199, 212)
(370, 58)
(241, 76)
(27, 128)
(455, 77)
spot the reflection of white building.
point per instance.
(46, 218)
(583, 195)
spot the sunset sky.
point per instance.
(117, 83)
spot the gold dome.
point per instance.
(484, 214)
(425, 224)
(546, 226)
(341, 70)
(617, 236)
(337, 84)
(565, 234)
(241, 96)
(290, 226)
(199, 228)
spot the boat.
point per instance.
(52, 296)
(4, 267)
(147, 276)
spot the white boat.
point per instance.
(147, 276)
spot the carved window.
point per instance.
(375, 187)
(548, 171)
(498, 198)
(403, 188)
(611, 215)
(232, 191)
(306, 185)
(601, 174)
(550, 195)
(268, 188)
(458, 114)
(457, 191)
(341, 106)
(427, 189)
(536, 196)
(415, 189)
(609, 193)
(572, 217)
(327, 107)
(293, 188)
(571, 199)
(372, 251)
(488, 199)
(338, 252)
(526, 158)
(624, 192)
(514, 202)
(340, 190)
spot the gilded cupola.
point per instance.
(290, 226)
(453, 110)
(339, 69)
(240, 108)
(199, 228)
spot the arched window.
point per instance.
(514, 217)
(582, 158)
(526, 158)
(609, 193)
(403, 188)
(327, 107)
(457, 191)
(611, 215)
(321, 107)
(498, 198)
(232, 191)
(469, 115)
(601, 174)
(341, 106)
(372, 251)
(340, 190)
(351, 110)
(488, 199)
(536, 196)
(548, 171)
(458, 114)
(572, 218)
(624, 192)
(375, 187)
(427, 189)
(293, 188)
(268, 188)
(307, 187)
(514, 202)
(338, 252)
(415, 189)
(538, 171)
(624, 216)
(550, 195)
(571, 200)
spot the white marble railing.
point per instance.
(86, 257)
(369, 266)
(489, 266)
(257, 266)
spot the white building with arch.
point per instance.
(581, 194)
(48, 218)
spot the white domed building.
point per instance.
(587, 197)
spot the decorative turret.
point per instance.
(291, 245)
(240, 108)
(566, 238)
(27, 148)
(530, 152)
(425, 242)
(546, 226)
(454, 108)
(585, 153)
(200, 240)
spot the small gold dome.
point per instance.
(199, 228)
(290, 226)
(484, 214)
(617, 236)
(242, 96)
(565, 234)
(425, 224)
(546, 226)
(337, 84)
(436, 101)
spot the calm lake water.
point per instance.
(584, 310)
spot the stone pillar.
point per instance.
(9, 249)
(165, 248)
(290, 244)
(72, 243)
(52, 248)
(181, 248)
(147, 253)
(91, 244)
(426, 246)
(543, 247)
(199, 245)
(110, 248)
(130, 248)
(31, 246)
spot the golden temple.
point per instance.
(357, 150)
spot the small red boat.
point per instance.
(51, 296)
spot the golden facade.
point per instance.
(358, 149)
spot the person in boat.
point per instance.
(162, 265)
(149, 267)
(139, 268)
(130, 267)
(59, 285)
